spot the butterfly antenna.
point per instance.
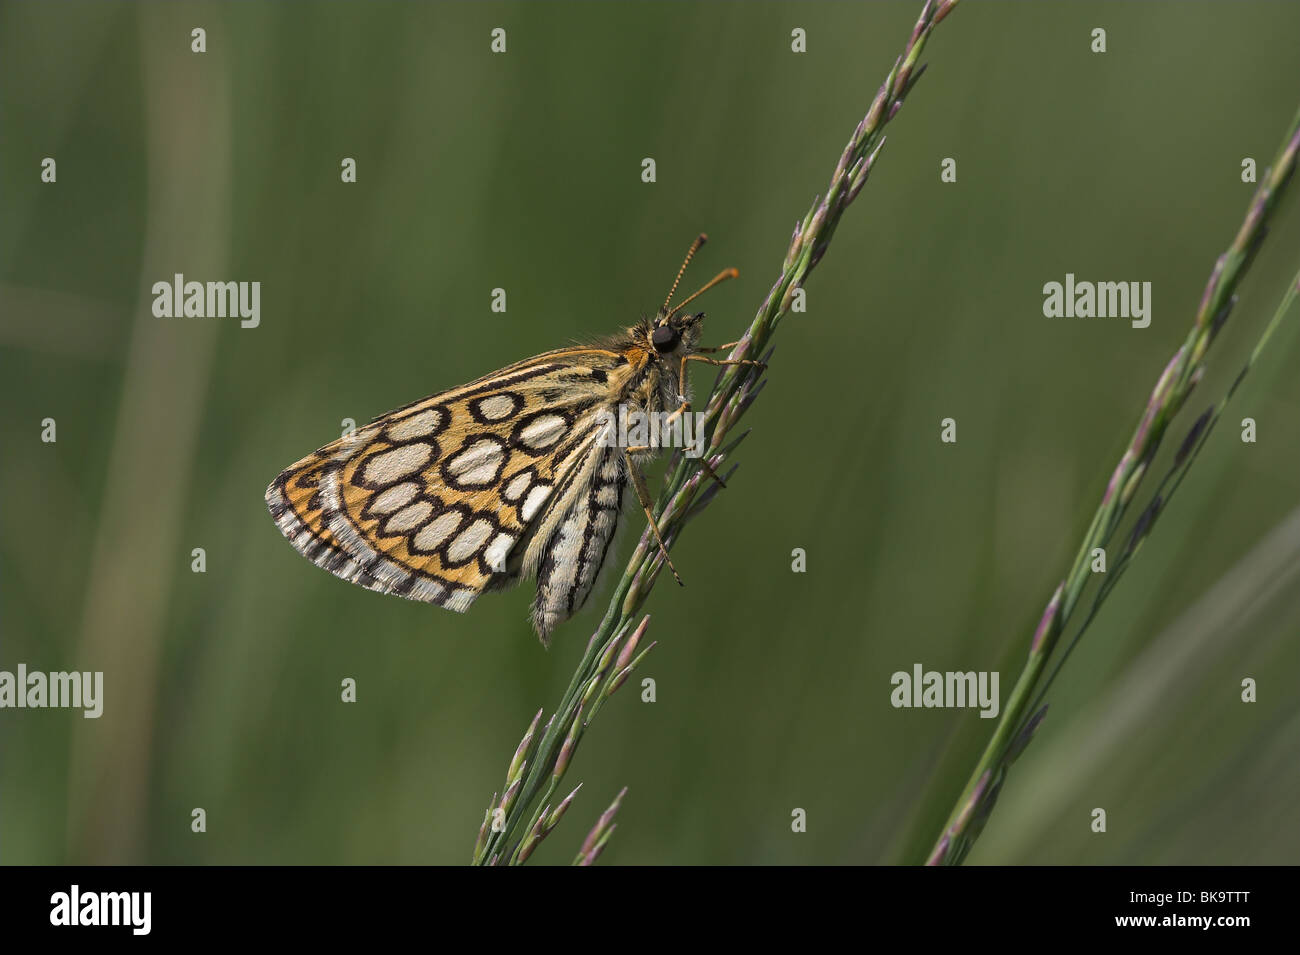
(690, 254)
(720, 277)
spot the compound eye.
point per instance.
(664, 338)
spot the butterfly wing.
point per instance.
(586, 516)
(459, 492)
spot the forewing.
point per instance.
(432, 501)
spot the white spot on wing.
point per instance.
(495, 407)
(516, 486)
(542, 432)
(408, 518)
(417, 426)
(469, 540)
(399, 495)
(437, 530)
(495, 555)
(477, 464)
(536, 498)
(396, 464)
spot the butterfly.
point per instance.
(509, 477)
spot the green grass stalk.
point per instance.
(1025, 708)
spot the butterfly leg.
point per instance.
(704, 461)
(681, 373)
(719, 347)
(723, 361)
(685, 405)
(643, 495)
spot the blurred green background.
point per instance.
(522, 171)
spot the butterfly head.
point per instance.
(675, 334)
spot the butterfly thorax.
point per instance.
(655, 350)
